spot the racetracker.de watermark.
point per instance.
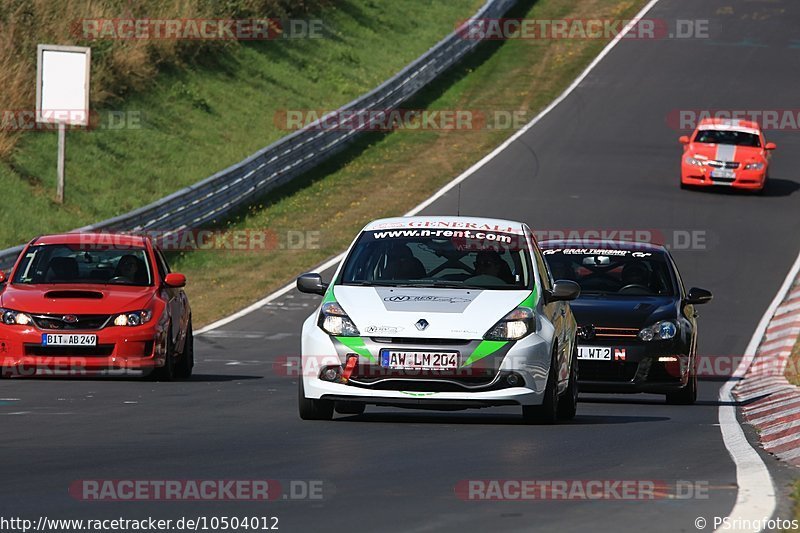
(768, 119)
(385, 120)
(500, 29)
(194, 29)
(21, 120)
(578, 489)
(94, 490)
(610, 238)
(190, 240)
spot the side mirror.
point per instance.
(311, 283)
(2, 276)
(770, 146)
(698, 296)
(175, 280)
(683, 139)
(564, 290)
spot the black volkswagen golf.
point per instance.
(637, 325)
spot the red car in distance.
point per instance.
(81, 303)
(731, 153)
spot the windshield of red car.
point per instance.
(738, 138)
(77, 263)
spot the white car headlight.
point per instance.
(134, 318)
(755, 165)
(18, 318)
(515, 325)
(694, 161)
(334, 321)
(663, 330)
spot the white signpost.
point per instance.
(62, 93)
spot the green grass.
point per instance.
(198, 121)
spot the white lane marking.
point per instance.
(752, 500)
(264, 301)
(756, 497)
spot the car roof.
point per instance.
(90, 238)
(725, 124)
(602, 245)
(447, 222)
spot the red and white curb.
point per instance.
(771, 403)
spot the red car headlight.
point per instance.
(133, 318)
(754, 165)
(11, 317)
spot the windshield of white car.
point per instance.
(612, 271)
(439, 259)
(737, 138)
(91, 263)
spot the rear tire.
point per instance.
(183, 370)
(312, 409)
(547, 412)
(568, 403)
(686, 395)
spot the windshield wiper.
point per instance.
(379, 283)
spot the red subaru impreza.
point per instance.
(79, 303)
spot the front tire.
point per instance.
(687, 395)
(547, 412)
(183, 370)
(568, 403)
(166, 372)
(311, 409)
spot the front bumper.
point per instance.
(638, 370)
(478, 383)
(743, 179)
(118, 347)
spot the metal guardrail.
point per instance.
(241, 184)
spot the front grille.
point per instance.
(37, 350)
(607, 371)
(723, 164)
(603, 332)
(420, 341)
(57, 322)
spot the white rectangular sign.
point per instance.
(62, 84)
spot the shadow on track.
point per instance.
(196, 378)
(776, 187)
(489, 419)
(634, 400)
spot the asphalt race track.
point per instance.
(606, 158)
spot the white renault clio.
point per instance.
(440, 313)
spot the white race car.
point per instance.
(440, 313)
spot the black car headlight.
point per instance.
(513, 326)
(18, 318)
(663, 330)
(334, 321)
(134, 318)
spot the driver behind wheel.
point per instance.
(129, 267)
(489, 263)
(636, 273)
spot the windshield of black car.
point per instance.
(738, 138)
(78, 263)
(439, 258)
(613, 271)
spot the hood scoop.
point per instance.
(74, 295)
